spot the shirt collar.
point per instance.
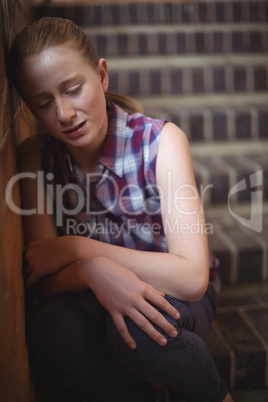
(113, 153)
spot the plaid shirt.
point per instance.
(119, 204)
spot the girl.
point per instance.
(121, 281)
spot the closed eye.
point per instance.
(74, 90)
(45, 105)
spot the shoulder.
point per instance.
(174, 152)
(146, 131)
(171, 132)
(136, 124)
(141, 121)
(173, 141)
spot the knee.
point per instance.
(148, 359)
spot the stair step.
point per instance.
(238, 228)
(216, 175)
(239, 338)
(240, 11)
(210, 123)
(242, 250)
(138, 77)
(130, 41)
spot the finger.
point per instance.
(144, 324)
(120, 324)
(157, 318)
(163, 304)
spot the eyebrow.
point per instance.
(69, 81)
(62, 85)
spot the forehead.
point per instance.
(56, 56)
(51, 67)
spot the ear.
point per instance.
(104, 75)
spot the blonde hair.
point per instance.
(51, 31)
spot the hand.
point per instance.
(122, 294)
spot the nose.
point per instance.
(65, 111)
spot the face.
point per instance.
(66, 95)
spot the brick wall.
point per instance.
(15, 383)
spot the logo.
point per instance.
(130, 199)
(256, 196)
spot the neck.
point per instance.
(87, 157)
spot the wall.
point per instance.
(15, 383)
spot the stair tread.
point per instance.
(217, 175)
(142, 62)
(242, 251)
(168, 28)
(131, 41)
(187, 102)
(191, 75)
(214, 119)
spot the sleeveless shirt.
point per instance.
(120, 203)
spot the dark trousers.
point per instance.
(74, 340)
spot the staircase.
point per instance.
(204, 66)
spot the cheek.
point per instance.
(94, 95)
(46, 120)
(94, 104)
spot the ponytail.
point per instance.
(125, 102)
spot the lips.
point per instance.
(75, 129)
